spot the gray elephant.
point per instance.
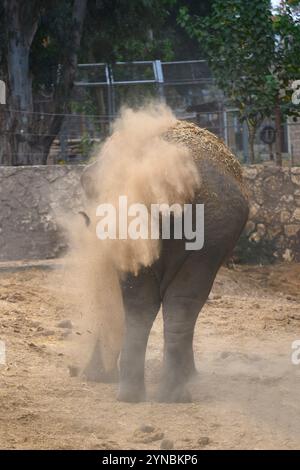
(180, 280)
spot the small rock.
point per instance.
(250, 227)
(288, 255)
(148, 436)
(213, 296)
(203, 441)
(47, 333)
(65, 324)
(36, 347)
(294, 315)
(73, 371)
(16, 297)
(290, 297)
(65, 334)
(279, 316)
(167, 444)
(225, 354)
(147, 428)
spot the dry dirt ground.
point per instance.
(247, 394)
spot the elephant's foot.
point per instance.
(174, 394)
(95, 370)
(131, 393)
(99, 375)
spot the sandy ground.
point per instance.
(247, 394)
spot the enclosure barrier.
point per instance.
(100, 90)
(35, 199)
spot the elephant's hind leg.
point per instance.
(95, 370)
(182, 302)
(141, 297)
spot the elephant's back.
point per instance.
(205, 146)
(222, 189)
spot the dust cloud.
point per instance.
(138, 162)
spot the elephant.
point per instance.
(180, 280)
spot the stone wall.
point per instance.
(32, 202)
(294, 138)
(275, 208)
(34, 199)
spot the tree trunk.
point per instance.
(21, 21)
(278, 142)
(26, 132)
(271, 152)
(98, 96)
(64, 87)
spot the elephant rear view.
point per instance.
(177, 279)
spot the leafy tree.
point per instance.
(285, 65)
(184, 46)
(231, 36)
(41, 42)
(139, 30)
(130, 30)
(124, 37)
(253, 55)
(37, 33)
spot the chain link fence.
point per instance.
(186, 86)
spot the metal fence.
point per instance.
(186, 86)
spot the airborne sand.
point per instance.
(138, 162)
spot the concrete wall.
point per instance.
(32, 200)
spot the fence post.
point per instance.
(245, 143)
(2, 92)
(159, 77)
(63, 141)
(110, 94)
(224, 124)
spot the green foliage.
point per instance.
(118, 30)
(253, 54)
(52, 44)
(87, 106)
(114, 30)
(286, 64)
(238, 41)
(122, 30)
(184, 46)
(86, 145)
(250, 251)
